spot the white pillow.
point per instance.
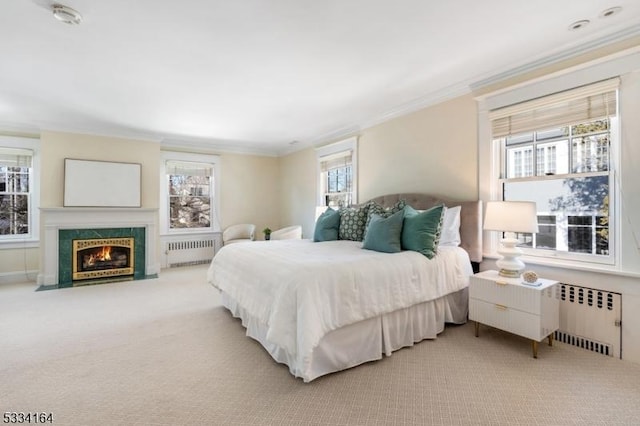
(450, 233)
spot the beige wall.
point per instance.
(250, 191)
(433, 150)
(57, 146)
(298, 180)
(19, 264)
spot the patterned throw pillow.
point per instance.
(352, 222)
(375, 208)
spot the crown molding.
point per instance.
(118, 133)
(501, 76)
(433, 98)
(215, 146)
(19, 130)
(477, 82)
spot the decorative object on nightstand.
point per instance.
(510, 305)
(511, 217)
(530, 278)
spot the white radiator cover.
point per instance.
(590, 319)
(189, 250)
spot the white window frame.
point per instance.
(32, 238)
(562, 250)
(212, 160)
(323, 152)
(489, 155)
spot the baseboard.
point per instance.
(18, 277)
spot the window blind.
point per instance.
(584, 103)
(15, 157)
(185, 168)
(339, 159)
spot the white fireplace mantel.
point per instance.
(54, 219)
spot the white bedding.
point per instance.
(302, 290)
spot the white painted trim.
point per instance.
(16, 244)
(237, 147)
(582, 75)
(17, 277)
(107, 133)
(498, 77)
(336, 147)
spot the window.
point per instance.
(18, 196)
(337, 181)
(189, 183)
(556, 151)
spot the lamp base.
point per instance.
(510, 265)
(508, 273)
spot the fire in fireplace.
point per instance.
(102, 257)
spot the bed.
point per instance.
(325, 307)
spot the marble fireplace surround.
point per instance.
(77, 218)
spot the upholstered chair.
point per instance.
(239, 233)
(288, 233)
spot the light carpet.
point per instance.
(164, 352)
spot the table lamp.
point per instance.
(511, 217)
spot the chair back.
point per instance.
(239, 232)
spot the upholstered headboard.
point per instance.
(470, 217)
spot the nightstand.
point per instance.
(507, 304)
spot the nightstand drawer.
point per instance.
(516, 296)
(508, 319)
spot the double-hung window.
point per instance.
(18, 209)
(337, 184)
(557, 151)
(189, 193)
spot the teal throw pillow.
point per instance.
(352, 222)
(327, 226)
(421, 230)
(384, 233)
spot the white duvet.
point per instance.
(301, 290)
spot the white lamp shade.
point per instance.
(511, 216)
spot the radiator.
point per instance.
(590, 319)
(189, 252)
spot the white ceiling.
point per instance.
(255, 75)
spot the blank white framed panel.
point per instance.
(93, 183)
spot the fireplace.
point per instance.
(64, 225)
(102, 257)
(99, 255)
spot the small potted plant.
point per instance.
(267, 234)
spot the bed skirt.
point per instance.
(363, 341)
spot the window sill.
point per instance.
(186, 231)
(573, 265)
(18, 244)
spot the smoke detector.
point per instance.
(66, 14)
